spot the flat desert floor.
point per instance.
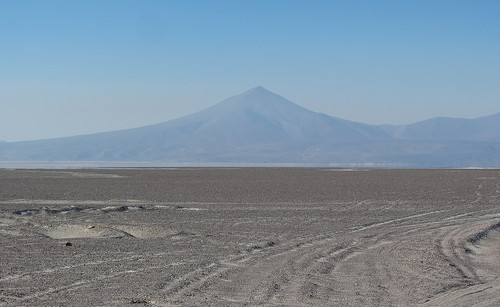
(249, 236)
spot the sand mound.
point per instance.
(100, 231)
(83, 231)
(144, 232)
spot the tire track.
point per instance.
(203, 276)
(86, 282)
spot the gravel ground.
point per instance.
(249, 236)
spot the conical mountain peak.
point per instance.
(258, 93)
(256, 90)
(261, 101)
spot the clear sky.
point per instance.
(77, 67)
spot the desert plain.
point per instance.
(249, 237)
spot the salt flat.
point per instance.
(249, 236)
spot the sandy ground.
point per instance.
(247, 237)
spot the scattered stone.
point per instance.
(137, 301)
(68, 244)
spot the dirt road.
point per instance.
(249, 236)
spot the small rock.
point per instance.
(270, 243)
(68, 244)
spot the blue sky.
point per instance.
(77, 67)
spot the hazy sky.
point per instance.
(76, 67)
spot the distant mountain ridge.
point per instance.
(261, 127)
(486, 128)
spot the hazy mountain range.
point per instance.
(260, 127)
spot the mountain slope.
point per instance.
(254, 118)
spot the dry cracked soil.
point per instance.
(249, 237)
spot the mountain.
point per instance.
(261, 127)
(260, 117)
(485, 128)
